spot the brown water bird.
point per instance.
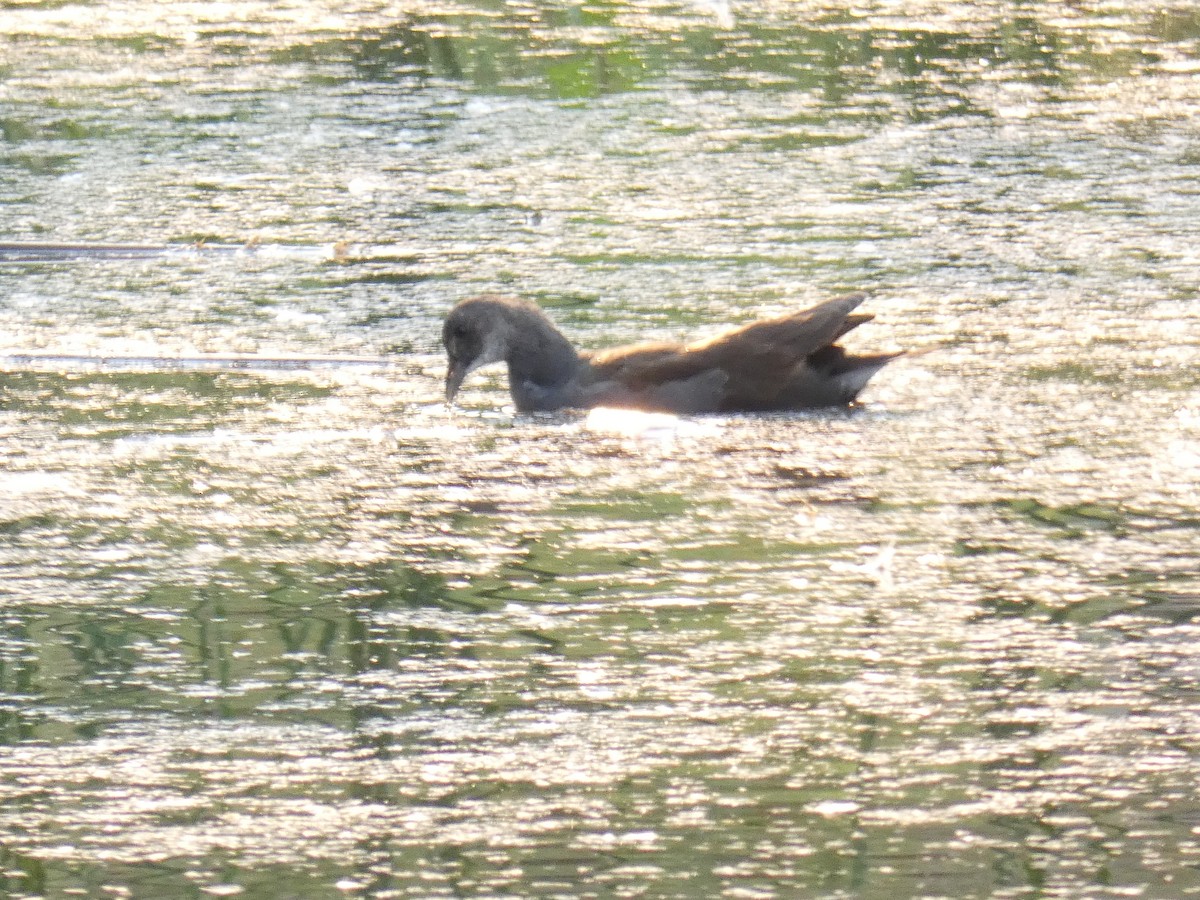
(783, 363)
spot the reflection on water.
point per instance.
(306, 632)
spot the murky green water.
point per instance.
(308, 633)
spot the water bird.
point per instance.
(784, 363)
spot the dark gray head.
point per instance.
(476, 332)
(542, 364)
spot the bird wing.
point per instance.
(784, 340)
(757, 358)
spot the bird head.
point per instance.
(476, 333)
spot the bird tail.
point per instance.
(853, 372)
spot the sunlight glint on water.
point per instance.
(308, 631)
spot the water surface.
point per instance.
(306, 632)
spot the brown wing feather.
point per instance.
(758, 358)
(638, 364)
(795, 335)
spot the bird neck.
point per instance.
(542, 364)
(537, 351)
